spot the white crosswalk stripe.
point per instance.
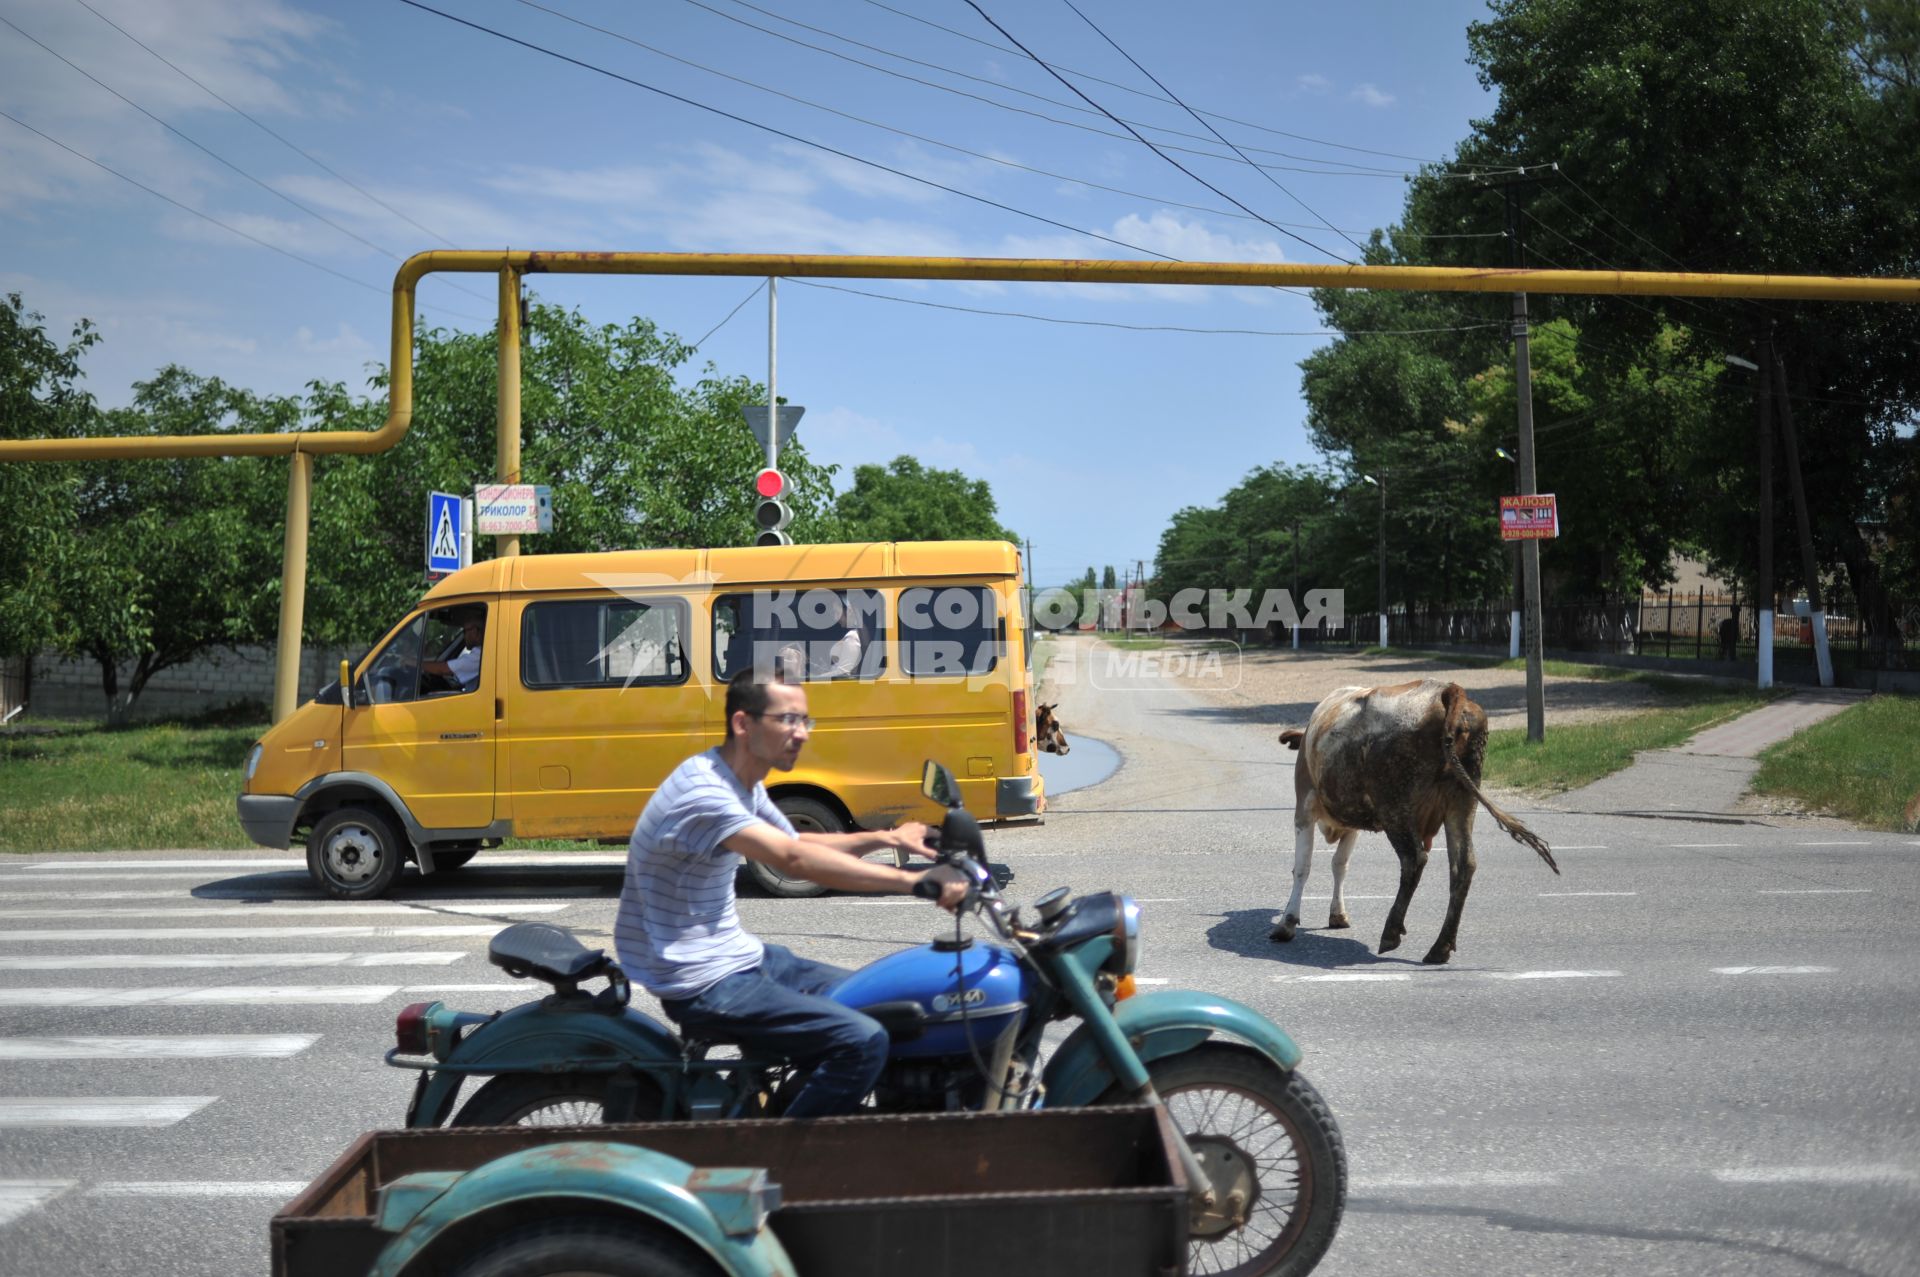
(298, 864)
(18, 1197)
(297, 906)
(148, 961)
(98, 935)
(209, 1046)
(201, 995)
(275, 1188)
(119, 1110)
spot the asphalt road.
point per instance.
(1692, 1053)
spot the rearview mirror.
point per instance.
(937, 783)
(346, 684)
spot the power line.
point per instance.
(971, 4)
(1360, 170)
(308, 156)
(858, 119)
(1140, 328)
(782, 133)
(1216, 133)
(1126, 88)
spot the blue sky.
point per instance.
(437, 135)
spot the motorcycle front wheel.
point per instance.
(1271, 1131)
(531, 1099)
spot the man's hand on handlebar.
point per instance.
(945, 886)
(915, 838)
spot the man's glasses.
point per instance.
(789, 721)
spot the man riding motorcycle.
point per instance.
(678, 932)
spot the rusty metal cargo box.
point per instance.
(935, 1195)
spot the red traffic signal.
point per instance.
(769, 483)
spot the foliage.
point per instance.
(907, 501)
(1863, 764)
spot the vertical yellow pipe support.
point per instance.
(507, 422)
(293, 587)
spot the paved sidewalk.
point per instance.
(1708, 775)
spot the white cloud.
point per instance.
(1315, 84)
(1371, 95)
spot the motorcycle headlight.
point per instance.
(1126, 937)
(253, 759)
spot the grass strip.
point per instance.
(1578, 754)
(1863, 764)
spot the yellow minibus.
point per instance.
(547, 696)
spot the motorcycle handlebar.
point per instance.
(927, 885)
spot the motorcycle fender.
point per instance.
(1159, 1024)
(440, 1218)
(542, 1037)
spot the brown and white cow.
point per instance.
(1404, 760)
(1047, 736)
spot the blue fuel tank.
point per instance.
(995, 983)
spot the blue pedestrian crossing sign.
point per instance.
(443, 533)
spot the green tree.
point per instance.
(907, 501)
(1108, 580)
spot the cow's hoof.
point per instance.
(1338, 922)
(1437, 956)
(1283, 930)
(1389, 942)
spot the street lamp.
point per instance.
(1381, 483)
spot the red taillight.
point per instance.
(1020, 721)
(410, 1029)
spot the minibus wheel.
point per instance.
(354, 854)
(807, 816)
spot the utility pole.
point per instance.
(1296, 582)
(1529, 549)
(1381, 483)
(506, 449)
(1823, 659)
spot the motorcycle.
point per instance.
(1264, 1160)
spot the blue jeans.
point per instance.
(777, 1009)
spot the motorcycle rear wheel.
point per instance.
(529, 1099)
(1227, 1097)
(599, 1247)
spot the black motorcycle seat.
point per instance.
(544, 951)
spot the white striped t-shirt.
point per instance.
(678, 932)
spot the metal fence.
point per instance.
(1695, 626)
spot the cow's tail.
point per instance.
(1291, 737)
(1515, 830)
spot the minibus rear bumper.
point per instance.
(1020, 796)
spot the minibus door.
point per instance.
(423, 720)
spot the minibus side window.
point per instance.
(814, 635)
(394, 676)
(950, 631)
(603, 643)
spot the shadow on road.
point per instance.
(1245, 932)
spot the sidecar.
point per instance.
(935, 1195)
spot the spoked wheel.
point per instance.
(1265, 1138)
(521, 1099)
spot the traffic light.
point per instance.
(770, 513)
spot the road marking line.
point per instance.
(21, 1197)
(1773, 970)
(300, 906)
(1550, 975)
(203, 1188)
(201, 995)
(1576, 846)
(1861, 843)
(251, 1046)
(471, 901)
(530, 989)
(1815, 1174)
(1145, 979)
(1589, 893)
(120, 1110)
(119, 961)
(1817, 891)
(1706, 844)
(1462, 1179)
(97, 935)
(1345, 976)
(1350, 896)
(299, 864)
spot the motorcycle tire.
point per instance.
(588, 1245)
(1226, 1098)
(533, 1099)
